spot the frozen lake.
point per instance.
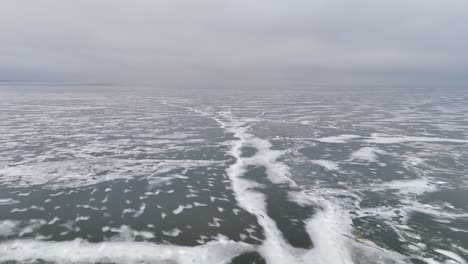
(117, 175)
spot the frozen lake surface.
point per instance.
(119, 175)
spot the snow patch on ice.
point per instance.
(368, 154)
(79, 251)
(337, 139)
(414, 187)
(173, 232)
(386, 139)
(81, 172)
(451, 255)
(327, 164)
(8, 201)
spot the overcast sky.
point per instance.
(238, 42)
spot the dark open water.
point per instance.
(120, 175)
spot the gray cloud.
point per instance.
(209, 42)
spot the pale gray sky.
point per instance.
(235, 42)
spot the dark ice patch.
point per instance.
(248, 258)
(289, 216)
(247, 152)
